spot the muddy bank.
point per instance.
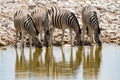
(109, 18)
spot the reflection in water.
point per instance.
(37, 62)
(91, 62)
(44, 63)
(21, 64)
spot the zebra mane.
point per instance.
(77, 22)
(33, 23)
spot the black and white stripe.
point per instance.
(62, 19)
(29, 25)
(90, 22)
(24, 24)
(41, 21)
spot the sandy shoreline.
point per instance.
(109, 19)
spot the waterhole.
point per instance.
(61, 63)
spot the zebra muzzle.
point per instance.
(36, 42)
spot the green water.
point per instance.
(61, 63)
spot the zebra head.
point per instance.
(37, 42)
(98, 37)
(78, 38)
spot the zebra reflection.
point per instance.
(91, 62)
(44, 62)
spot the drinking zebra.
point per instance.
(90, 22)
(41, 21)
(62, 19)
(23, 24)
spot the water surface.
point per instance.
(61, 63)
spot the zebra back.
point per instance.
(62, 19)
(19, 14)
(90, 17)
(23, 21)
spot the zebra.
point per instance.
(24, 24)
(90, 21)
(41, 21)
(62, 19)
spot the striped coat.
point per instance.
(62, 19)
(90, 20)
(24, 24)
(41, 21)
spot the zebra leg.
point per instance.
(71, 37)
(41, 35)
(51, 35)
(16, 39)
(83, 34)
(91, 37)
(97, 38)
(22, 41)
(63, 31)
(47, 38)
(30, 42)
